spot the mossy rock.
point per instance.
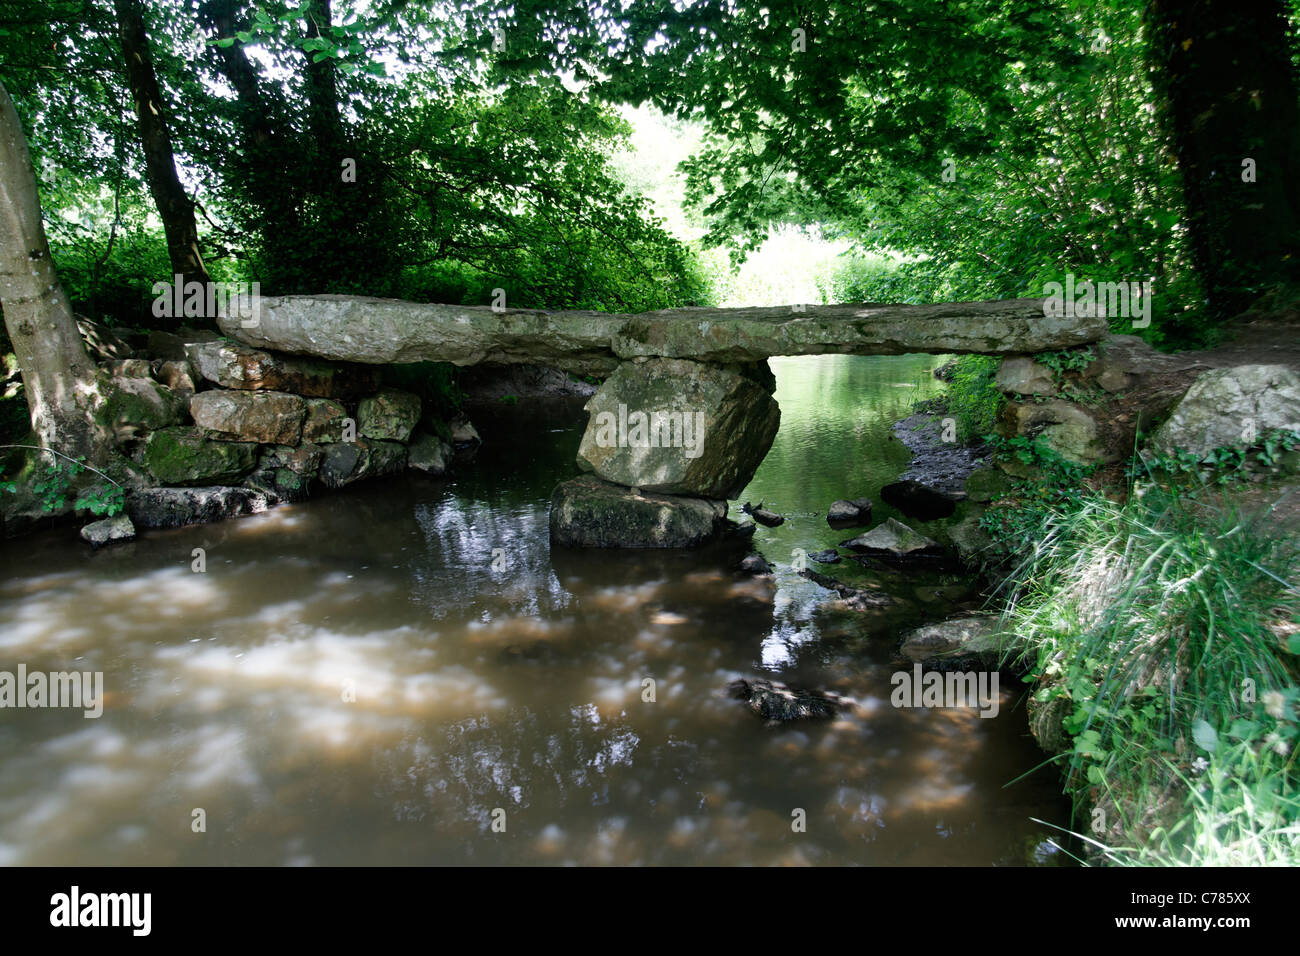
(139, 405)
(184, 456)
(986, 484)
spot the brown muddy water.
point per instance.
(356, 680)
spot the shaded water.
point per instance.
(516, 688)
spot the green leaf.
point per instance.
(1293, 643)
(1243, 729)
(1205, 736)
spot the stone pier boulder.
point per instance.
(325, 421)
(346, 462)
(186, 456)
(589, 513)
(429, 454)
(269, 418)
(231, 365)
(679, 427)
(134, 407)
(1068, 429)
(389, 415)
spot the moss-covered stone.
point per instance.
(185, 456)
(135, 406)
(986, 484)
(389, 415)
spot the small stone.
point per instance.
(845, 513)
(100, 533)
(891, 537)
(762, 515)
(829, 556)
(754, 564)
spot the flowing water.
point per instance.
(406, 673)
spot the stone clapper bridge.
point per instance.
(654, 480)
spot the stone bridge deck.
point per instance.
(382, 331)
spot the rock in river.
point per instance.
(589, 513)
(778, 703)
(845, 513)
(892, 538)
(920, 501)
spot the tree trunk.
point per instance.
(59, 378)
(174, 207)
(1229, 94)
(271, 162)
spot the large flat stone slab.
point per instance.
(381, 331)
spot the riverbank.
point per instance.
(1150, 597)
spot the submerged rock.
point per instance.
(845, 513)
(589, 513)
(919, 500)
(851, 598)
(429, 454)
(779, 703)
(829, 556)
(346, 462)
(100, 533)
(959, 640)
(762, 515)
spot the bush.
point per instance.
(973, 400)
(1169, 627)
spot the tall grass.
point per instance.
(1168, 627)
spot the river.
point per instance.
(405, 673)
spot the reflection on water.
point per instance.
(353, 680)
